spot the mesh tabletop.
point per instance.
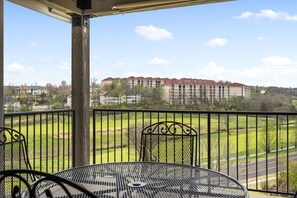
(149, 179)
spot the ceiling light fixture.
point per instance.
(62, 15)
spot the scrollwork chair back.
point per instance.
(169, 141)
(12, 184)
(13, 150)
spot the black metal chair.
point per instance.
(14, 183)
(169, 141)
(13, 150)
(295, 196)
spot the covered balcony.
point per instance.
(256, 148)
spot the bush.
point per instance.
(292, 180)
(57, 106)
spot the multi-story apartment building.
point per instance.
(187, 90)
(137, 81)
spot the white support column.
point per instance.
(81, 88)
(1, 61)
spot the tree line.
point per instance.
(262, 99)
(55, 97)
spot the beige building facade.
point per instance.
(187, 90)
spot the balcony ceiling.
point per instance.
(62, 9)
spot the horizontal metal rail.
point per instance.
(257, 148)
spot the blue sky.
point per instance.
(252, 42)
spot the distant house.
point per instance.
(34, 90)
(128, 97)
(109, 99)
(9, 101)
(131, 97)
(69, 101)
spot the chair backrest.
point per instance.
(13, 150)
(13, 183)
(168, 141)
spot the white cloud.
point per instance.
(213, 71)
(64, 65)
(17, 73)
(262, 38)
(158, 61)
(153, 33)
(267, 14)
(46, 60)
(277, 61)
(217, 42)
(263, 74)
(244, 15)
(16, 68)
(127, 74)
(120, 64)
(34, 44)
(274, 71)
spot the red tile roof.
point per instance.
(182, 81)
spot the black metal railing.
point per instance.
(258, 149)
(49, 137)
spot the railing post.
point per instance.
(209, 140)
(73, 139)
(94, 136)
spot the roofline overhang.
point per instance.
(63, 9)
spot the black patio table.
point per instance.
(151, 179)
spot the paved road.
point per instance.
(253, 169)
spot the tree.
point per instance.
(50, 89)
(268, 137)
(95, 93)
(63, 92)
(10, 108)
(9, 91)
(156, 96)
